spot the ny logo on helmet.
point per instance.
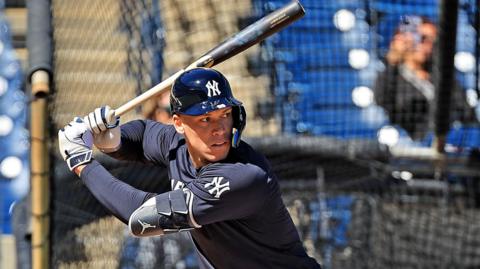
(212, 87)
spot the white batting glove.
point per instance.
(105, 129)
(75, 143)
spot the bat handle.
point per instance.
(111, 116)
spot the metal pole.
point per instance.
(40, 185)
(443, 70)
(40, 50)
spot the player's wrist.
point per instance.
(78, 159)
(78, 170)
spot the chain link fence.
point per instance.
(313, 110)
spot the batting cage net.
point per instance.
(346, 103)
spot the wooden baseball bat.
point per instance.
(241, 41)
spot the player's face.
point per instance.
(208, 136)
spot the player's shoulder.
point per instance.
(155, 126)
(248, 155)
(228, 168)
(241, 175)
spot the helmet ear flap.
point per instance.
(239, 121)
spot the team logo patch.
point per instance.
(145, 225)
(212, 87)
(176, 184)
(217, 187)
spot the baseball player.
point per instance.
(223, 192)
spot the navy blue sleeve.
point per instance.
(145, 141)
(228, 191)
(118, 197)
(157, 140)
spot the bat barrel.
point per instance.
(254, 33)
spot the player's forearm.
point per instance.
(118, 197)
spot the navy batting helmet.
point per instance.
(202, 90)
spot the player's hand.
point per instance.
(105, 129)
(75, 143)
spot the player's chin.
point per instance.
(218, 152)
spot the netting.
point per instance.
(316, 108)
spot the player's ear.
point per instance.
(178, 124)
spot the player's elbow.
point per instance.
(143, 221)
(162, 214)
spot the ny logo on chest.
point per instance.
(176, 184)
(217, 187)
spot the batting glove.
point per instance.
(105, 128)
(75, 143)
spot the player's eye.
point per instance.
(205, 119)
(226, 115)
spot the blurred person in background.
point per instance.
(405, 88)
(158, 109)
